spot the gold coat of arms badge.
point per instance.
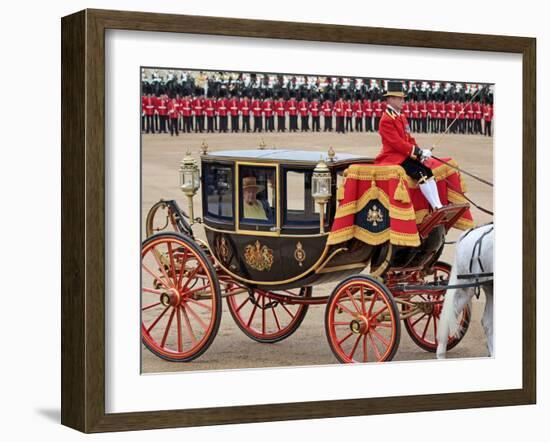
(258, 257)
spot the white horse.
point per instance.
(474, 255)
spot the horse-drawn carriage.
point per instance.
(277, 223)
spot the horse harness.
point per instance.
(477, 247)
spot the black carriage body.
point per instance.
(287, 249)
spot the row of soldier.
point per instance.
(161, 114)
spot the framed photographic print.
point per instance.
(270, 220)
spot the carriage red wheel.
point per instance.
(264, 319)
(180, 298)
(362, 321)
(422, 327)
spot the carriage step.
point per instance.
(446, 216)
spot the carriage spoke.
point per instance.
(178, 322)
(150, 306)
(435, 328)
(157, 320)
(182, 268)
(201, 304)
(287, 310)
(242, 305)
(375, 347)
(363, 309)
(380, 338)
(160, 265)
(189, 326)
(153, 291)
(426, 327)
(198, 289)
(354, 347)
(165, 336)
(275, 316)
(341, 323)
(419, 319)
(353, 301)
(252, 314)
(347, 310)
(155, 276)
(379, 312)
(197, 317)
(190, 277)
(373, 301)
(263, 314)
(172, 264)
(365, 351)
(344, 338)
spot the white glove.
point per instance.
(426, 153)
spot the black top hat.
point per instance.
(395, 89)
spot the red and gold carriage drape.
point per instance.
(379, 203)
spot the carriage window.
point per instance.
(300, 205)
(258, 195)
(218, 183)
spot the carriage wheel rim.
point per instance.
(365, 323)
(178, 313)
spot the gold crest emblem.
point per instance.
(375, 216)
(299, 254)
(258, 257)
(223, 249)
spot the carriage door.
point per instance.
(258, 199)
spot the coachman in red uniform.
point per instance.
(400, 148)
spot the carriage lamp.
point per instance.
(189, 181)
(320, 189)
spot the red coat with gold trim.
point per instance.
(397, 142)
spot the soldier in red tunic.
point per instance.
(478, 114)
(292, 109)
(327, 114)
(415, 115)
(268, 111)
(186, 113)
(162, 110)
(367, 108)
(245, 112)
(339, 111)
(210, 111)
(469, 111)
(173, 115)
(400, 148)
(459, 108)
(150, 112)
(303, 109)
(315, 110)
(280, 110)
(233, 107)
(221, 109)
(198, 110)
(257, 111)
(432, 112)
(358, 112)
